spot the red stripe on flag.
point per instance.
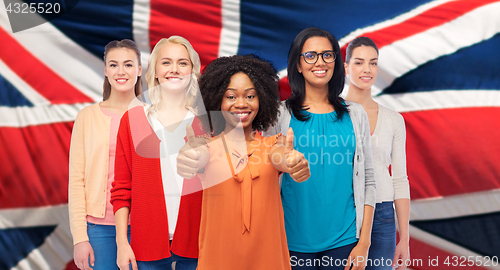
(452, 151)
(35, 167)
(35, 73)
(433, 17)
(200, 22)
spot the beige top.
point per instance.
(88, 169)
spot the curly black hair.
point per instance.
(215, 79)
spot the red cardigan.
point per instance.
(138, 185)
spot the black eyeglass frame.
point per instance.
(322, 56)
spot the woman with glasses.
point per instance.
(327, 218)
(388, 144)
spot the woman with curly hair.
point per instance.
(242, 219)
(164, 208)
(329, 216)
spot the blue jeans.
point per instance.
(181, 263)
(102, 238)
(383, 239)
(329, 259)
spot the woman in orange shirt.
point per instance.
(242, 223)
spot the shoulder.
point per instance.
(392, 116)
(88, 112)
(353, 107)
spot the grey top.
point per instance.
(363, 172)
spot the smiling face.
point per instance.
(122, 69)
(362, 67)
(173, 67)
(316, 75)
(240, 102)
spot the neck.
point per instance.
(235, 133)
(360, 96)
(120, 100)
(315, 95)
(173, 101)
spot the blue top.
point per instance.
(320, 213)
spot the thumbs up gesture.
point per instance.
(189, 160)
(294, 161)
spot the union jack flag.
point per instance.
(439, 66)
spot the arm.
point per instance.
(364, 242)
(76, 197)
(401, 190)
(286, 159)
(359, 253)
(121, 195)
(403, 247)
(125, 254)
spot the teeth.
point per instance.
(241, 114)
(121, 80)
(319, 71)
(366, 78)
(174, 79)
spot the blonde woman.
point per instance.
(92, 155)
(164, 208)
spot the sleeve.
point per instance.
(370, 184)
(76, 190)
(121, 191)
(398, 156)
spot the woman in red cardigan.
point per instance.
(164, 208)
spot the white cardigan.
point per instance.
(388, 145)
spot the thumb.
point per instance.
(190, 136)
(92, 258)
(289, 141)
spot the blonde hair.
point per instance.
(153, 83)
(118, 44)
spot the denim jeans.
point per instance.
(329, 259)
(102, 238)
(383, 238)
(181, 263)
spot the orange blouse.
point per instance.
(242, 223)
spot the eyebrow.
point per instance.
(168, 58)
(376, 58)
(126, 61)
(233, 89)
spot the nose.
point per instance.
(367, 68)
(240, 103)
(320, 58)
(174, 69)
(121, 69)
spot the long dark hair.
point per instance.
(116, 44)
(295, 103)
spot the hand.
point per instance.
(81, 254)
(402, 253)
(189, 156)
(125, 256)
(295, 162)
(357, 257)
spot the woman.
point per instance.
(388, 144)
(242, 218)
(164, 208)
(328, 218)
(92, 156)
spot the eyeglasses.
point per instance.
(312, 57)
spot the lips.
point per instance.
(174, 79)
(319, 73)
(366, 78)
(121, 80)
(240, 115)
